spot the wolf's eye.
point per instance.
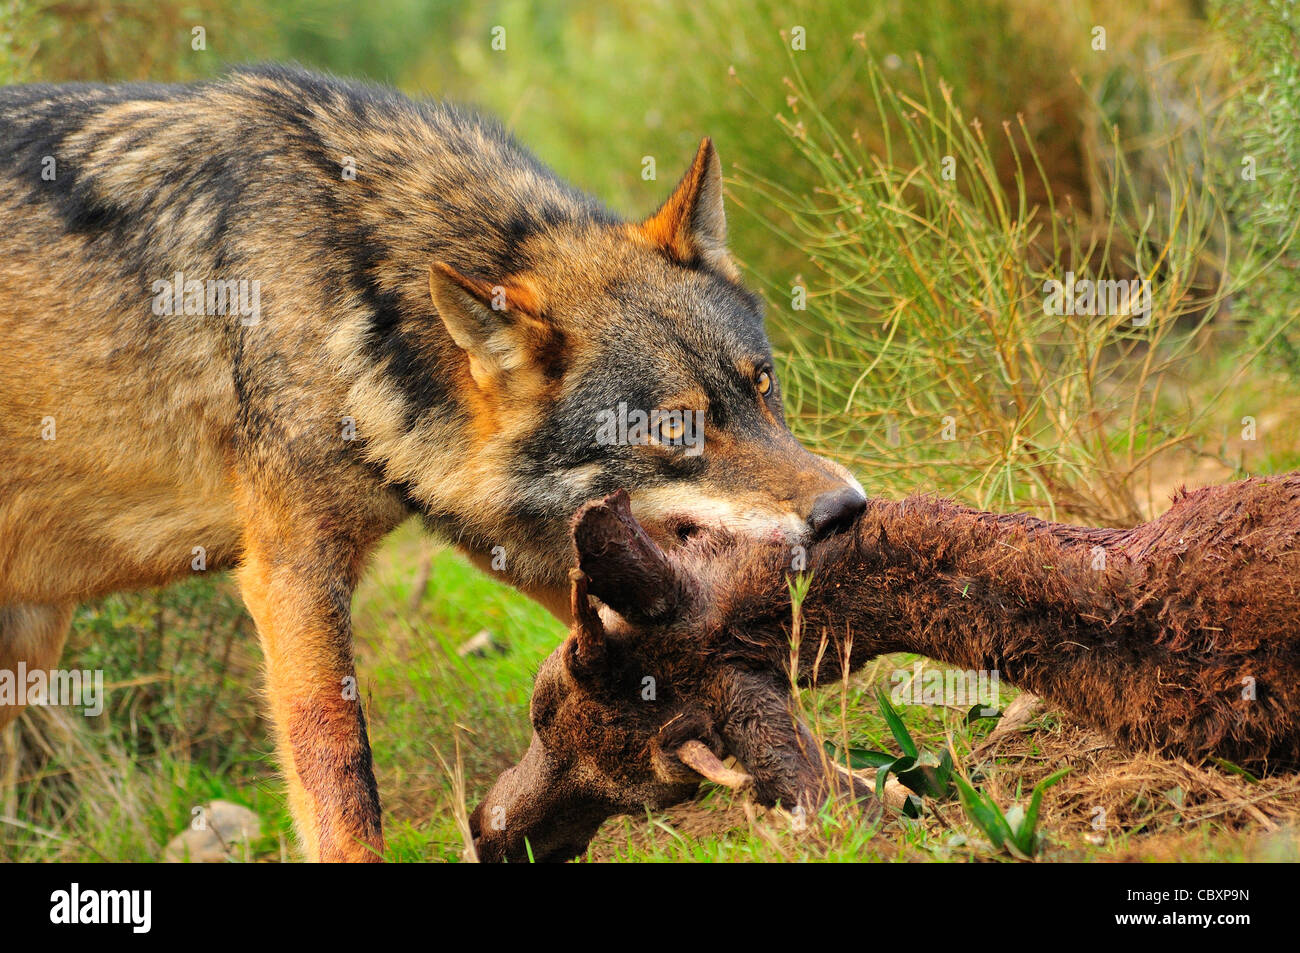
(764, 383)
(671, 428)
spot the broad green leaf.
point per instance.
(1231, 768)
(976, 713)
(858, 758)
(930, 776)
(882, 774)
(912, 806)
(983, 813)
(1036, 802)
(896, 726)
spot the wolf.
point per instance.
(255, 323)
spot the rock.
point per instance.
(219, 832)
(480, 645)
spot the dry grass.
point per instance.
(1113, 806)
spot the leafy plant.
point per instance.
(922, 772)
(1262, 164)
(1016, 829)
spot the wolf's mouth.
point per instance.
(683, 529)
(674, 531)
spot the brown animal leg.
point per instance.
(31, 634)
(298, 590)
(35, 635)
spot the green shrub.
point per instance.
(921, 345)
(1262, 165)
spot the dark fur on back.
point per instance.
(293, 129)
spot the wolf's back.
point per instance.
(151, 172)
(320, 201)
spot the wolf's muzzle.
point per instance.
(835, 511)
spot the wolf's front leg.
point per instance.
(298, 591)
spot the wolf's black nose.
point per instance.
(834, 511)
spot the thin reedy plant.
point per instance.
(926, 355)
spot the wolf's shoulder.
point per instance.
(297, 92)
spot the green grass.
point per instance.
(436, 703)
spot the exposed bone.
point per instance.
(1024, 709)
(895, 794)
(697, 756)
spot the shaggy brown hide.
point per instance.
(1180, 636)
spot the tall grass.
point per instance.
(1263, 163)
(181, 725)
(926, 354)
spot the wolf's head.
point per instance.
(629, 355)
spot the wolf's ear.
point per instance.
(692, 223)
(497, 325)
